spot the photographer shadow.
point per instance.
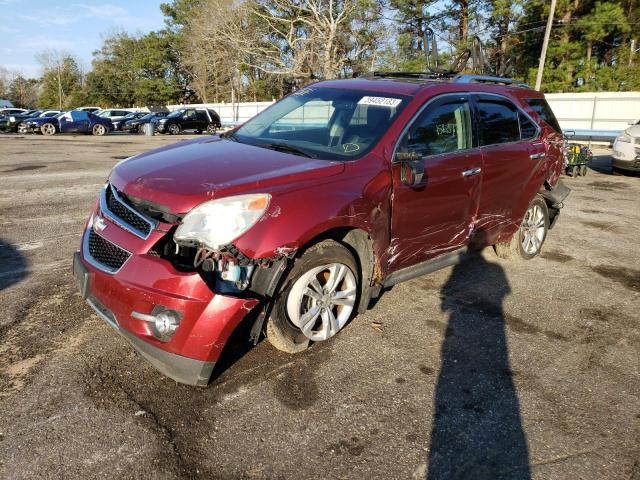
(477, 430)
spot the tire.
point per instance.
(527, 242)
(297, 299)
(99, 130)
(174, 129)
(22, 129)
(583, 170)
(212, 129)
(48, 129)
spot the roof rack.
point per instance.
(470, 78)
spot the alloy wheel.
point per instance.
(48, 129)
(321, 300)
(533, 229)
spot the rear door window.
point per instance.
(542, 108)
(498, 121)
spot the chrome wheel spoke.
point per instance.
(336, 275)
(310, 292)
(344, 297)
(308, 320)
(330, 319)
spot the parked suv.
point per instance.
(196, 119)
(298, 218)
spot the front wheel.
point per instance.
(317, 299)
(99, 130)
(174, 129)
(528, 240)
(48, 129)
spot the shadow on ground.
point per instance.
(477, 429)
(13, 265)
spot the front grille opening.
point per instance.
(105, 252)
(126, 215)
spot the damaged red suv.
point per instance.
(298, 218)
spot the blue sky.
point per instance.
(30, 26)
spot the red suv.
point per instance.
(302, 215)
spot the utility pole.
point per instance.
(632, 50)
(59, 88)
(545, 44)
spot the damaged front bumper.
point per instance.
(145, 283)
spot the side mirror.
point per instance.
(411, 168)
(569, 133)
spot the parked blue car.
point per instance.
(75, 121)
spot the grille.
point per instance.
(126, 215)
(105, 252)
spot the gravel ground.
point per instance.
(491, 369)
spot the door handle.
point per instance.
(471, 171)
(535, 156)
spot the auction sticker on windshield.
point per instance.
(380, 101)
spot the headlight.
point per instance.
(12, 119)
(624, 138)
(219, 222)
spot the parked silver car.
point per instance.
(626, 150)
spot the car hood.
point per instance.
(183, 175)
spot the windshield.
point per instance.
(328, 123)
(148, 116)
(175, 114)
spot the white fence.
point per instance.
(231, 112)
(595, 110)
(575, 111)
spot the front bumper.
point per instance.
(626, 155)
(145, 282)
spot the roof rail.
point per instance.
(469, 78)
(428, 75)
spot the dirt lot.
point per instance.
(487, 370)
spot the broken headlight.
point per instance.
(218, 222)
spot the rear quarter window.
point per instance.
(542, 108)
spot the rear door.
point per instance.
(438, 215)
(507, 163)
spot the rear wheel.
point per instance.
(317, 299)
(583, 170)
(527, 242)
(174, 129)
(48, 129)
(99, 129)
(211, 129)
(22, 128)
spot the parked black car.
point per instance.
(137, 124)
(117, 125)
(196, 119)
(15, 123)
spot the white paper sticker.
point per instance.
(380, 101)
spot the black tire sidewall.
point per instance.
(322, 253)
(519, 236)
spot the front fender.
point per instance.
(296, 217)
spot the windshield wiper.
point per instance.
(281, 147)
(230, 135)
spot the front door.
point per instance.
(438, 215)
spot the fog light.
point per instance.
(163, 322)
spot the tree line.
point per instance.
(223, 50)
